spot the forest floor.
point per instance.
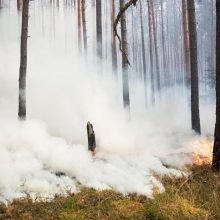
(195, 197)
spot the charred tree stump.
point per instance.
(91, 138)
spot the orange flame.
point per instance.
(203, 152)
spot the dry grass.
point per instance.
(197, 197)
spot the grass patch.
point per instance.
(196, 197)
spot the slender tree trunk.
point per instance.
(216, 150)
(74, 5)
(99, 27)
(163, 37)
(176, 41)
(0, 3)
(126, 98)
(194, 68)
(151, 52)
(212, 37)
(106, 31)
(84, 25)
(79, 26)
(114, 48)
(133, 42)
(143, 52)
(93, 8)
(20, 4)
(169, 54)
(167, 76)
(186, 41)
(155, 45)
(23, 62)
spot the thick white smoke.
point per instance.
(63, 92)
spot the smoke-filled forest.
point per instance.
(109, 109)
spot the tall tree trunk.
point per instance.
(151, 52)
(74, 5)
(133, 42)
(106, 31)
(163, 37)
(99, 27)
(114, 48)
(23, 62)
(126, 98)
(194, 68)
(20, 4)
(79, 26)
(186, 41)
(155, 45)
(84, 25)
(143, 52)
(212, 37)
(216, 150)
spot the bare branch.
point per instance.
(118, 17)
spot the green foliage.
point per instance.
(150, 213)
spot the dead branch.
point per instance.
(118, 17)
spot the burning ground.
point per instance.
(31, 160)
(194, 197)
(142, 155)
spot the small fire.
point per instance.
(203, 152)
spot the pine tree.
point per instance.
(151, 51)
(194, 68)
(186, 41)
(79, 25)
(126, 97)
(143, 52)
(114, 49)
(216, 150)
(84, 25)
(155, 45)
(99, 27)
(23, 61)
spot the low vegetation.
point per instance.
(195, 197)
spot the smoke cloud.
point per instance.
(64, 91)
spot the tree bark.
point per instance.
(151, 52)
(23, 62)
(79, 26)
(194, 68)
(99, 28)
(216, 149)
(126, 97)
(186, 41)
(84, 25)
(114, 48)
